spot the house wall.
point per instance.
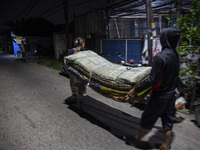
(59, 41)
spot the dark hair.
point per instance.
(78, 41)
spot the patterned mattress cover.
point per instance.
(101, 68)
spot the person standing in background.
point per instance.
(23, 49)
(39, 50)
(28, 50)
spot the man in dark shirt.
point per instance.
(163, 80)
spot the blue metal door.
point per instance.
(129, 49)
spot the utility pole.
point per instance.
(149, 17)
(178, 12)
(65, 3)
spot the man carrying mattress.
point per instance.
(77, 87)
(163, 80)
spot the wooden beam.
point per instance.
(178, 12)
(149, 32)
(65, 3)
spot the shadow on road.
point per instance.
(113, 120)
(109, 118)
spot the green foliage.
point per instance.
(50, 63)
(190, 34)
(190, 25)
(185, 50)
(170, 22)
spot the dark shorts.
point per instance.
(159, 105)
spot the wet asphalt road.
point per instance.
(33, 115)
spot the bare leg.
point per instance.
(166, 144)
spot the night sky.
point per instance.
(52, 10)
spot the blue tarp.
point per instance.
(15, 47)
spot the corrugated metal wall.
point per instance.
(90, 23)
(92, 27)
(133, 28)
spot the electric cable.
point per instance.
(33, 5)
(28, 6)
(47, 11)
(51, 9)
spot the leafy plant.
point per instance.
(50, 63)
(189, 48)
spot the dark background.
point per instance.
(51, 10)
